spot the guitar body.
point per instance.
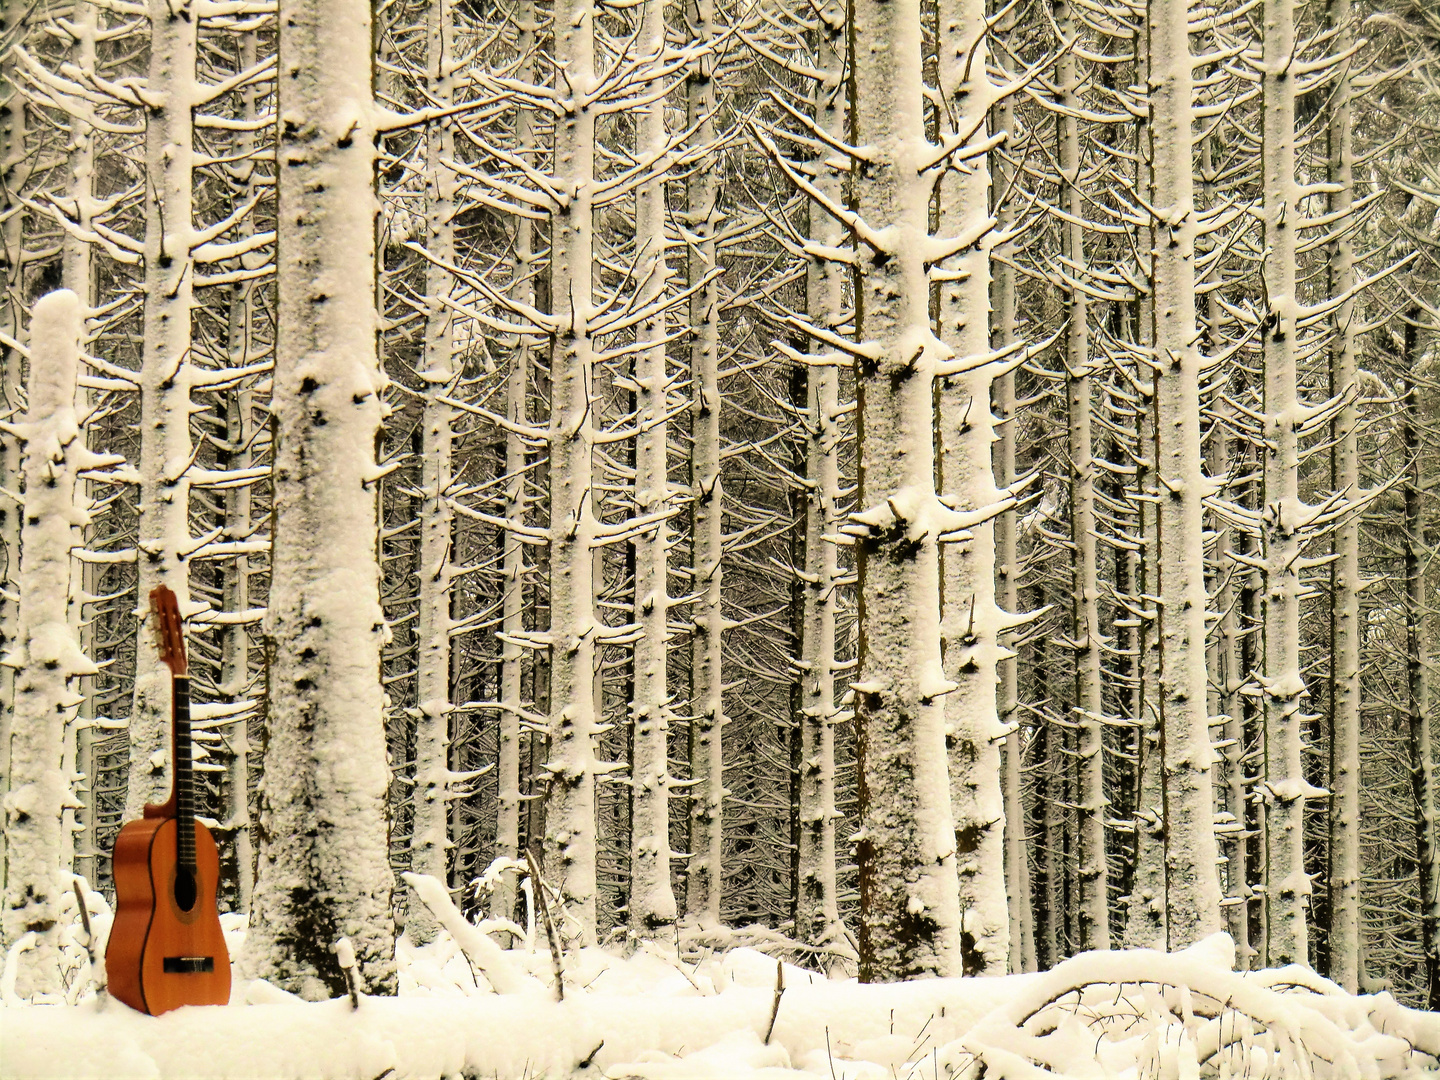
(161, 954)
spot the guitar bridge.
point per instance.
(188, 965)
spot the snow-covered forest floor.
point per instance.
(714, 1013)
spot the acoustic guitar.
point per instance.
(166, 947)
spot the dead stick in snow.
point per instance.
(549, 926)
(589, 1058)
(775, 1008)
(345, 956)
(97, 971)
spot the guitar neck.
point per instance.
(184, 773)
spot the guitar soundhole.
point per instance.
(185, 889)
(188, 965)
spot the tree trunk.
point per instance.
(1094, 906)
(77, 274)
(1287, 887)
(15, 168)
(652, 899)
(818, 915)
(1145, 919)
(704, 880)
(512, 627)
(1343, 870)
(1228, 681)
(47, 657)
(1004, 333)
(434, 790)
(971, 621)
(909, 896)
(324, 870)
(234, 681)
(1192, 887)
(1417, 695)
(239, 527)
(165, 374)
(570, 818)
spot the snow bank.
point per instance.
(1121, 1014)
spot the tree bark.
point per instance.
(1287, 887)
(971, 620)
(1192, 887)
(570, 818)
(46, 658)
(818, 909)
(512, 628)
(434, 789)
(652, 899)
(707, 707)
(324, 869)
(165, 379)
(1343, 870)
(909, 895)
(1417, 682)
(1093, 872)
(1004, 333)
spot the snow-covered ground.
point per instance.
(1127, 1014)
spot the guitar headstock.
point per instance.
(168, 629)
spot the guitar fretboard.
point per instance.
(184, 776)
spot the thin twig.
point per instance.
(779, 989)
(549, 926)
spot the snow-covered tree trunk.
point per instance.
(1007, 568)
(1223, 656)
(1192, 887)
(707, 493)
(1417, 682)
(1228, 681)
(235, 644)
(972, 621)
(1248, 610)
(165, 381)
(14, 171)
(652, 899)
(1287, 886)
(1093, 875)
(1146, 915)
(430, 842)
(517, 382)
(1145, 918)
(570, 821)
(817, 904)
(239, 528)
(818, 907)
(77, 274)
(11, 478)
(909, 897)
(75, 252)
(324, 870)
(1051, 796)
(46, 655)
(1343, 877)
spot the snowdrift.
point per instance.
(1124, 1014)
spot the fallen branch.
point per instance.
(482, 953)
(675, 962)
(23, 943)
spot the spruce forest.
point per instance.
(917, 488)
